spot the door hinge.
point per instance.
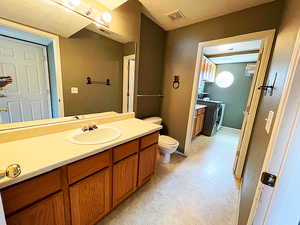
(268, 179)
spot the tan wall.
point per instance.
(181, 51)
(280, 62)
(89, 54)
(151, 67)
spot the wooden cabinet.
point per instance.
(90, 198)
(124, 178)
(49, 211)
(28, 192)
(198, 121)
(147, 163)
(83, 192)
(207, 70)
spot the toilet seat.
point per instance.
(166, 141)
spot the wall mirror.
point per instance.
(60, 59)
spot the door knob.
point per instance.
(3, 109)
(11, 171)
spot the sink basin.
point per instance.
(98, 136)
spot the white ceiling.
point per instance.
(235, 59)
(194, 10)
(233, 48)
(111, 4)
(44, 15)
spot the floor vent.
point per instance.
(176, 15)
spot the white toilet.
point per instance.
(167, 145)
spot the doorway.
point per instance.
(128, 83)
(228, 75)
(28, 96)
(224, 79)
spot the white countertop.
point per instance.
(198, 106)
(44, 153)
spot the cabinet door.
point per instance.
(200, 123)
(90, 198)
(195, 126)
(124, 178)
(147, 164)
(49, 211)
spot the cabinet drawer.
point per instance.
(125, 150)
(149, 140)
(88, 166)
(30, 191)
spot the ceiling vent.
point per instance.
(176, 15)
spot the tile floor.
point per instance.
(198, 190)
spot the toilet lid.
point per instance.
(166, 140)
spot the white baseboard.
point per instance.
(230, 128)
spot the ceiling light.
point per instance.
(72, 3)
(106, 17)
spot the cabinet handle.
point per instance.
(11, 171)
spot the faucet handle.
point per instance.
(85, 128)
(94, 126)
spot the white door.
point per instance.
(280, 205)
(128, 83)
(249, 116)
(28, 97)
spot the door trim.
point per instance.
(267, 36)
(55, 40)
(278, 122)
(125, 81)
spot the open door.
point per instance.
(249, 116)
(277, 198)
(128, 83)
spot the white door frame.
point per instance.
(275, 140)
(126, 60)
(57, 59)
(267, 36)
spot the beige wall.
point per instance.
(89, 54)
(181, 51)
(280, 62)
(151, 67)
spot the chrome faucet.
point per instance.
(89, 127)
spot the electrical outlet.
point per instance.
(74, 90)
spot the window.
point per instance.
(224, 79)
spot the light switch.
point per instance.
(269, 121)
(74, 90)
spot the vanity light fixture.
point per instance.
(106, 17)
(83, 9)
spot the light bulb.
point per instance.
(106, 17)
(72, 3)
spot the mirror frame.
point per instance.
(58, 73)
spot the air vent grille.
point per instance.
(176, 15)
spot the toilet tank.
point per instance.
(156, 120)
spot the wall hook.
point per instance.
(269, 88)
(176, 82)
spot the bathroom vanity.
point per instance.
(85, 183)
